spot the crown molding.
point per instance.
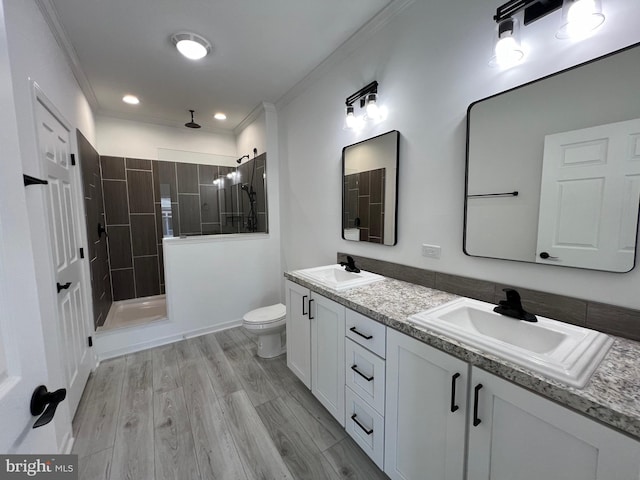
(253, 115)
(356, 40)
(50, 15)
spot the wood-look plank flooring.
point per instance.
(209, 408)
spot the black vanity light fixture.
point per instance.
(579, 19)
(368, 97)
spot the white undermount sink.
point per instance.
(337, 278)
(561, 351)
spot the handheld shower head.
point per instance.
(244, 187)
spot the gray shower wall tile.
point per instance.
(164, 173)
(187, 178)
(123, 284)
(138, 164)
(116, 206)
(143, 235)
(140, 190)
(189, 211)
(209, 204)
(112, 168)
(147, 278)
(207, 174)
(120, 247)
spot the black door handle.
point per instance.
(476, 420)
(62, 287)
(303, 312)
(42, 398)
(546, 256)
(310, 317)
(355, 369)
(101, 230)
(454, 407)
(366, 337)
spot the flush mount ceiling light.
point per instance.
(192, 124)
(579, 18)
(220, 116)
(191, 45)
(368, 97)
(131, 99)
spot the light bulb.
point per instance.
(580, 18)
(372, 106)
(350, 120)
(507, 50)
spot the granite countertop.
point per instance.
(612, 395)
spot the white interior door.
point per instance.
(54, 143)
(22, 360)
(589, 197)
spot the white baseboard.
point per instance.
(126, 348)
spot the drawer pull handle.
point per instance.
(366, 337)
(454, 407)
(355, 369)
(476, 420)
(368, 431)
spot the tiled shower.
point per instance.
(146, 200)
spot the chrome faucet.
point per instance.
(512, 307)
(350, 265)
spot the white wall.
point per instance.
(254, 134)
(125, 138)
(36, 57)
(431, 62)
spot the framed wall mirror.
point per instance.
(370, 188)
(553, 168)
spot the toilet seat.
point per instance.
(265, 315)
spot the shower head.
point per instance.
(244, 187)
(191, 124)
(241, 158)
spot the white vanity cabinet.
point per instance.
(514, 433)
(510, 432)
(365, 372)
(426, 411)
(315, 345)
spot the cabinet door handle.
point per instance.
(60, 287)
(355, 369)
(366, 337)
(310, 317)
(476, 420)
(366, 430)
(303, 312)
(454, 407)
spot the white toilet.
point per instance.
(268, 323)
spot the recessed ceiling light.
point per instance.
(191, 45)
(131, 99)
(220, 116)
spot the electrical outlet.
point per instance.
(431, 251)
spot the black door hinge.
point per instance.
(90, 341)
(73, 159)
(82, 253)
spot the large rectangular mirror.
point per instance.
(553, 168)
(370, 183)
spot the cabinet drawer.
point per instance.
(365, 426)
(368, 333)
(365, 374)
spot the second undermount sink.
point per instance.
(564, 352)
(337, 278)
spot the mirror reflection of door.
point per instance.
(589, 197)
(369, 198)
